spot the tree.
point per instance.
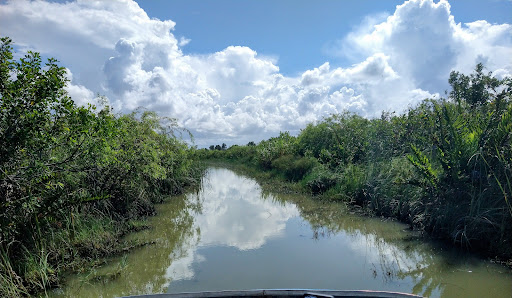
(212, 147)
(41, 132)
(475, 89)
(224, 146)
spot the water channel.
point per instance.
(230, 234)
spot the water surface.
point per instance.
(232, 235)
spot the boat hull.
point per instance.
(280, 293)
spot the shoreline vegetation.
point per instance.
(74, 180)
(444, 167)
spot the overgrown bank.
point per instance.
(74, 180)
(445, 166)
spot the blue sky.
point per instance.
(298, 32)
(238, 71)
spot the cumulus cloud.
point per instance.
(183, 41)
(114, 48)
(80, 94)
(424, 43)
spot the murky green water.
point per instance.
(231, 235)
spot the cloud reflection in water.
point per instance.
(235, 213)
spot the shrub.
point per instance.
(293, 167)
(320, 180)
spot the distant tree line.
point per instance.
(218, 147)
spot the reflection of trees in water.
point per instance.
(145, 270)
(392, 253)
(398, 259)
(400, 255)
(196, 197)
(175, 235)
(396, 254)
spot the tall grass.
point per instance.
(11, 284)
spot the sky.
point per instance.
(235, 71)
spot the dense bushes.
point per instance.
(294, 168)
(444, 166)
(73, 179)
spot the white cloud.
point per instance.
(80, 94)
(183, 41)
(114, 48)
(424, 43)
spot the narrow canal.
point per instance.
(231, 235)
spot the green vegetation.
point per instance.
(445, 166)
(74, 180)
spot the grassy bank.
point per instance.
(74, 180)
(444, 167)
